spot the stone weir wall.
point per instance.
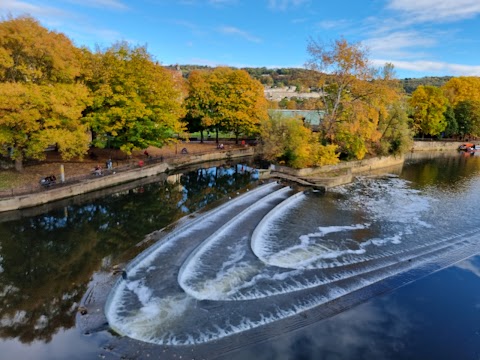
(355, 167)
(343, 173)
(328, 176)
(62, 192)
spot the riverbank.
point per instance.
(320, 178)
(343, 173)
(140, 170)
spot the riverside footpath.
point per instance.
(142, 166)
(151, 165)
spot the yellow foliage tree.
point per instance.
(238, 103)
(288, 141)
(136, 102)
(463, 88)
(199, 102)
(428, 108)
(41, 102)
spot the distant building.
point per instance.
(277, 94)
(310, 117)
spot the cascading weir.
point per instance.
(272, 253)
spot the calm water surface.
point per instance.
(47, 260)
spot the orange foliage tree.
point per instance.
(355, 97)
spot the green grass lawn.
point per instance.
(221, 135)
(7, 179)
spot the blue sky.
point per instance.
(420, 37)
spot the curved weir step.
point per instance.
(204, 282)
(207, 269)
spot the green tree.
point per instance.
(467, 114)
(452, 124)
(40, 99)
(136, 102)
(396, 133)
(428, 107)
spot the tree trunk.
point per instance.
(216, 134)
(201, 136)
(19, 164)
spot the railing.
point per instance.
(123, 165)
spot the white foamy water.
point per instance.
(277, 255)
(389, 200)
(231, 270)
(383, 200)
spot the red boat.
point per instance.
(468, 147)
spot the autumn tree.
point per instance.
(136, 101)
(287, 141)
(463, 88)
(238, 103)
(387, 100)
(199, 102)
(354, 95)
(41, 101)
(428, 105)
(342, 65)
(396, 135)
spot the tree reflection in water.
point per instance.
(47, 260)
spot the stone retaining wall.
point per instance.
(356, 167)
(353, 167)
(436, 145)
(62, 192)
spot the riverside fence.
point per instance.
(127, 165)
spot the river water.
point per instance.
(386, 267)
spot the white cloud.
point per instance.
(432, 67)
(108, 4)
(398, 43)
(21, 7)
(194, 28)
(283, 5)
(347, 335)
(332, 24)
(75, 26)
(235, 31)
(31, 8)
(436, 10)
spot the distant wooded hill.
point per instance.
(307, 80)
(410, 84)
